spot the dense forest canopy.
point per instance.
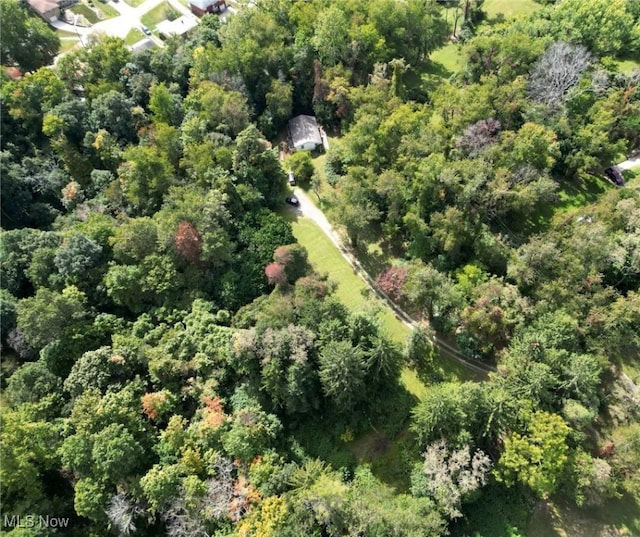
(174, 365)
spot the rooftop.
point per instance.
(180, 26)
(304, 129)
(43, 6)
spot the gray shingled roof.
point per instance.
(303, 129)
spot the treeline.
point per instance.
(172, 365)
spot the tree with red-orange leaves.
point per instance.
(188, 242)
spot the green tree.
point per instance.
(251, 433)
(165, 103)
(90, 499)
(29, 98)
(26, 40)
(538, 457)
(294, 259)
(77, 255)
(116, 453)
(615, 28)
(279, 103)
(28, 450)
(432, 292)
(44, 317)
(134, 240)
(301, 164)
(450, 411)
(31, 383)
(103, 368)
(218, 109)
(145, 176)
(112, 112)
(286, 361)
(342, 371)
(258, 166)
(160, 484)
(331, 35)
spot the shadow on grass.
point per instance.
(571, 195)
(289, 212)
(614, 517)
(374, 258)
(436, 68)
(378, 437)
(391, 461)
(499, 512)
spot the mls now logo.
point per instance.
(33, 521)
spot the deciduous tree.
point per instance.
(537, 458)
(26, 40)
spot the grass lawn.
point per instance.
(68, 44)
(509, 8)
(627, 64)
(134, 3)
(632, 179)
(355, 294)
(64, 33)
(446, 61)
(157, 14)
(572, 195)
(351, 291)
(563, 519)
(133, 36)
(109, 11)
(104, 12)
(86, 12)
(586, 191)
(388, 459)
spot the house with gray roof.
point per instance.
(304, 133)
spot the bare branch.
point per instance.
(556, 71)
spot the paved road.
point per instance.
(308, 209)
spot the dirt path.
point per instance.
(308, 209)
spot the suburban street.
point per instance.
(129, 18)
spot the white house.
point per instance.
(304, 134)
(202, 7)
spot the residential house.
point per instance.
(304, 134)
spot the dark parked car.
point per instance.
(614, 176)
(292, 200)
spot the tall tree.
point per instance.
(342, 374)
(538, 458)
(26, 40)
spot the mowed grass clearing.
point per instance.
(352, 290)
(560, 518)
(356, 295)
(449, 57)
(509, 8)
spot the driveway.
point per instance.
(308, 209)
(629, 163)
